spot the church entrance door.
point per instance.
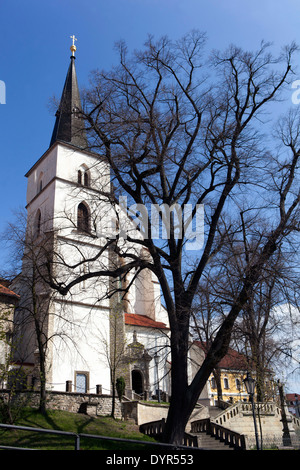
(137, 382)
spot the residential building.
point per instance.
(293, 403)
(8, 302)
(230, 373)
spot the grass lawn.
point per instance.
(71, 422)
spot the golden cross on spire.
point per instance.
(73, 47)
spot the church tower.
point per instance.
(69, 221)
(66, 215)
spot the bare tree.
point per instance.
(114, 347)
(178, 130)
(33, 337)
(255, 333)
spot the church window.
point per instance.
(40, 183)
(81, 382)
(83, 218)
(86, 179)
(83, 176)
(76, 112)
(37, 223)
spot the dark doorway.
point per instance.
(137, 382)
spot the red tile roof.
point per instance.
(232, 360)
(143, 320)
(292, 396)
(5, 291)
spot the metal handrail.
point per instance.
(43, 430)
(77, 437)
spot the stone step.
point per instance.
(214, 411)
(207, 442)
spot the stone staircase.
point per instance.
(235, 424)
(214, 428)
(207, 442)
(204, 435)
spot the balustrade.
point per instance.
(155, 429)
(233, 439)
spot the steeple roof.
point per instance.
(69, 126)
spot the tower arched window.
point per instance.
(83, 176)
(37, 223)
(86, 179)
(83, 218)
(40, 183)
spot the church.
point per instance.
(87, 338)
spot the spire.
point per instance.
(69, 127)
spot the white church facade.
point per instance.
(82, 333)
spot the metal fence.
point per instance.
(77, 439)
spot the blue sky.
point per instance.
(34, 57)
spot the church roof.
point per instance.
(232, 360)
(143, 320)
(7, 292)
(69, 126)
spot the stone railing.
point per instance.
(231, 438)
(156, 428)
(245, 408)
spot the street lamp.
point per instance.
(250, 387)
(156, 360)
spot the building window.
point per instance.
(81, 382)
(83, 218)
(83, 176)
(86, 179)
(37, 223)
(226, 383)
(40, 183)
(213, 382)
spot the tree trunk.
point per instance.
(217, 376)
(177, 418)
(177, 415)
(113, 404)
(178, 410)
(42, 405)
